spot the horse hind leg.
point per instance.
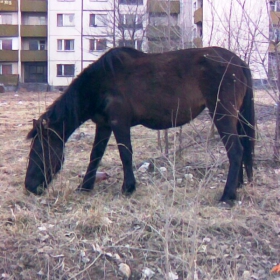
(247, 157)
(226, 124)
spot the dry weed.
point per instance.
(171, 228)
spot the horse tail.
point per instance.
(246, 125)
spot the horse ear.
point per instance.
(35, 123)
(33, 131)
(45, 124)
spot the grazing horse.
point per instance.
(126, 87)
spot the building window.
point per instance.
(65, 70)
(6, 44)
(130, 21)
(35, 72)
(157, 19)
(65, 45)
(97, 44)
(97, 20)
(37, 45)
(274, 33)
(35, 69)
(42, 45)
(131, 2)
(275, 6)
(5, 19)
(272, 66)
(34, 20)
(5, 69)
(194, 6)
(65, 20)
(136, 44)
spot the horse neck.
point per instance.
(67, 115)
(70, 125)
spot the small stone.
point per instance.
(179, 180)
(246, 275)
(125, 269)
(162, 169)
(189, 176)
(144, 167)
(206, 240)
(172, 276)
(147, 273)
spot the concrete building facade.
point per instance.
(81, 31)
(50, 42)
(23, 42)
(240, 26)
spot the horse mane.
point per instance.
(67, 106)
(114, 59)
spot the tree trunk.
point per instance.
(166, 150)
(159, 140)
(276, 148)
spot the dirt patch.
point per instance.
(171, 228)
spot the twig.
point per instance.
(86, 268)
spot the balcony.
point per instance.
(33, 30)
(198, 42)
(135, 26)
(155, 6)
(198, 16)
(9, 80)
(154, 32)
(162, 46)
(275, 17)
(9, 30)
(9, 8)
(31, 56)
(8, 56)
(33, 6)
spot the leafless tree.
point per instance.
(127, 22)
(164, 34)
(247, 35)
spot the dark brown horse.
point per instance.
(126, 87)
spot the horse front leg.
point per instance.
(122, 135)
(102, 136)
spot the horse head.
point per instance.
(45, 157)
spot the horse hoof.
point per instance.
(240, 185)
(226, 205)
(38, 191)
(83, 189)
(128, 191)
(228, 196)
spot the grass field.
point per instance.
(170, 228)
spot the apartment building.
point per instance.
(23, 41)
(274, 37)
(163, 30)
(64, 41)
(52, 41)
(80, 31)
(240, 26)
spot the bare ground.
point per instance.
(171, 228)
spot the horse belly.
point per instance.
(167, 118)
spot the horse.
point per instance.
(126, 87)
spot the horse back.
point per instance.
(170, 89)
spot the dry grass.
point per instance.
(171, 225)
